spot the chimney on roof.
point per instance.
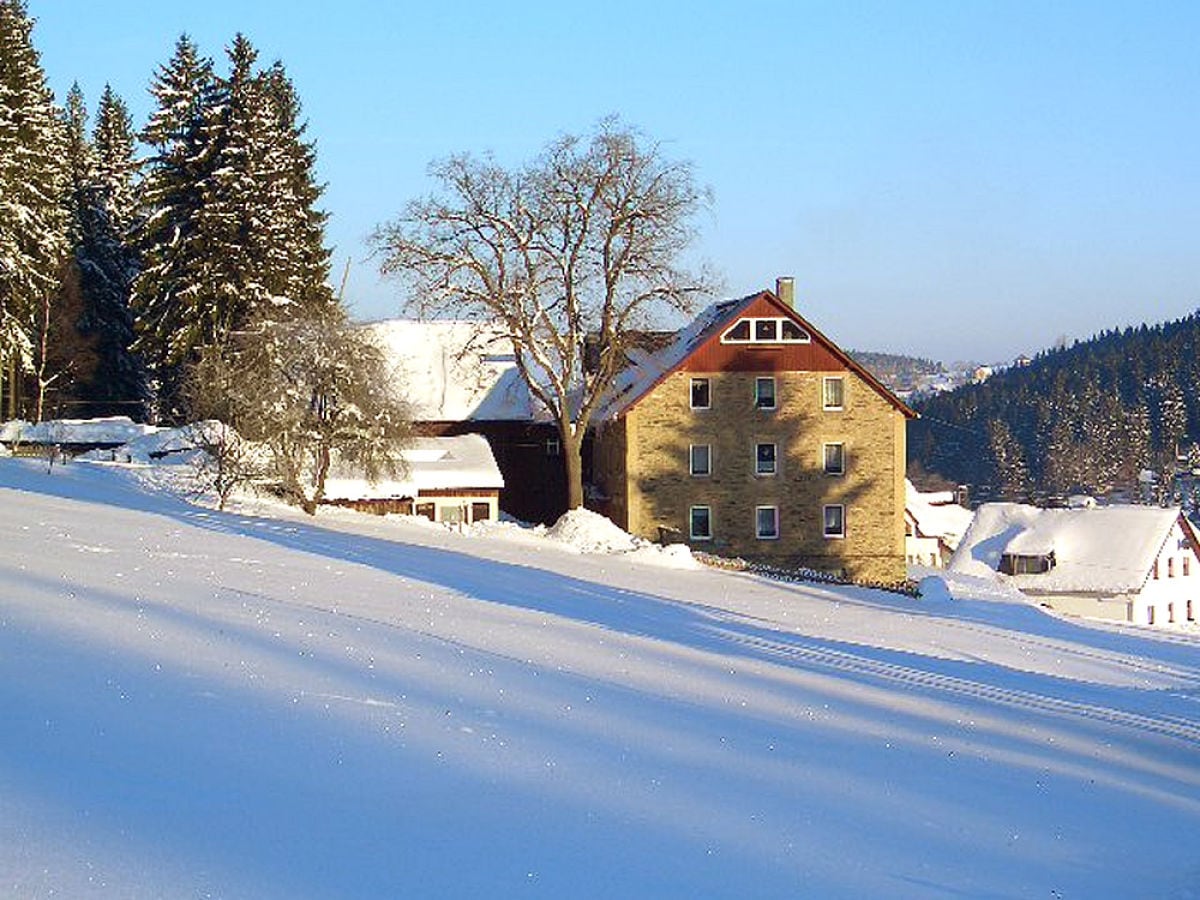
(785, 290)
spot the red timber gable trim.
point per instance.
(820, 354)
(1189, 533)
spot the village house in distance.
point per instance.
(754, 435)
(1134, 564)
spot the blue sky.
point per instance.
(956, 180)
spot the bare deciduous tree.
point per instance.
(584, 241)
(309, 390)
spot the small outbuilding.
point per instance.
(1137, 564)
(934, 523)
(446, 479)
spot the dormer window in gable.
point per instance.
(765, 330)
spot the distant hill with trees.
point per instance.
(901, 373)
(1089, 417)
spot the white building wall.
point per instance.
(922, 551)
(1165, 599)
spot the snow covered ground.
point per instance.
(258, 704)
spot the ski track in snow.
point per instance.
(255, 703)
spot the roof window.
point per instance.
(772, 330)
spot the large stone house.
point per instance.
(754, 435)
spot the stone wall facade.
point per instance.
(642, 465)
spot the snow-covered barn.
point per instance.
(1138, 564)
(462, 378)
(934, 523)
(446, 479)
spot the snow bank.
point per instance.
(589, 532)
(156, 445)
(111, 430)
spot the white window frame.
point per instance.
(692, 523)
(758, 532)
(825, 458)
(754, 339)
(766, 379)
(692, 448)
(825, 382)
(758, 470)
(692, 392)
(831, 535)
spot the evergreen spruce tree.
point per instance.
(102, 214)
(232, 233)
(300, 271)
(172, 264)
(33, 221)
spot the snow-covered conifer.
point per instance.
(33, 221)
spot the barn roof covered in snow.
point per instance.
(456, 371)
(429, 464)
(1106, 550)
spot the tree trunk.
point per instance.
(572, 446)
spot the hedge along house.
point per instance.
(446, 479)
(1134, 564)
(461, 378)
(754, 435)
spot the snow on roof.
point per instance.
(456, 371)
(936, 514)
(1107, 550)
(430, 463)
(645, 369)
(112, 430)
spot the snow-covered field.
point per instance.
(257, 704)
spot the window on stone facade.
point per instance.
(700, 459)
(701, 393)
(764, 393)
(553, 446)
(1171, 567)
(833, 392)
(835, 459)
(835, 521)
(700, 523)
(1186, 567)
(764, 459)
(766, 522)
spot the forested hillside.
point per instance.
(1088, 417)
(900, 373)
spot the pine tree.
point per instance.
(231, 231)
(33, 222)
(300, 271)
(102, 213)
(172, 268)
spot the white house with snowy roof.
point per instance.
(1137, 564)
(446, 479)
(934, 523)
